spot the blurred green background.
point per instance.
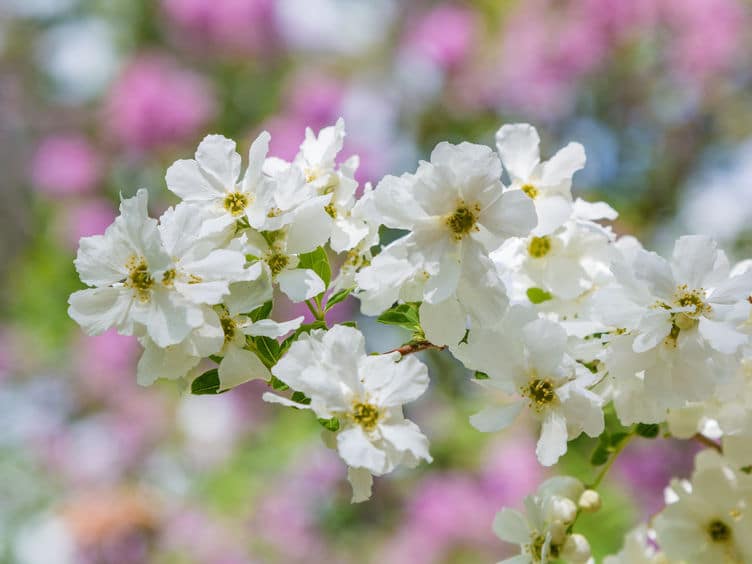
(98, 97)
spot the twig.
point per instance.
(416, 346)
(710, 443)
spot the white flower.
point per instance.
(213, 181)
(548, 183)
(456, 212)
(129, 270)
(682, 316)
(537, 368)
(710, 520)
(541, 532)
(278, 257)
(637, 549)
(365, 393)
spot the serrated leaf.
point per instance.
(262, 312)
(318, 261)
(403, 315)
(206, 384)
(336, 298)
(330, 424)
(538, 295)
(647, 430)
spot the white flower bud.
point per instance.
(576, 549)
(590, 501)
(558, 532)
(562, 509)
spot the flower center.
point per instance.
(530, 191)
(539, 247)
(168, 278)
(718, 531)
(331, 210)
(535, 548)
(236, 202)
(540, 391)
(366, 415)
(229, 327)
(139, 277)
(463, 220)
(684, 297)
(277, 261)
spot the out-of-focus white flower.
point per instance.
(637, 549)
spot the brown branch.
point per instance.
(416, 346)
(710, 443)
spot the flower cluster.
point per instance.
(493, 259)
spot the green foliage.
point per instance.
(403, 315)
(336, 298)
(647, 430)
(318, 261)
(268, 350)
(262, 312)
(300, 397)
(330, 424)
(206, 384)
(481, 375)
(538, 295)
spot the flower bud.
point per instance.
(590, 501)
(576, 549)
(562, 509)
(558, 532)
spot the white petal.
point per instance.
(406, 436)
(518, 145)
(256, 156)
(361, 481)
(511, 526)
(496, 418)
(184, 178)
(656, 272)
(169, 319)
(512, 214)
(560, 168)
(393, 380)
(547, 342)
(310, 228)
(694, 257)
(444, 323)
(653, 328)
(358, 451)
(300, 284)
(552, 443)
(272, 329)
(98, 309)
(209, 293)
(721, 336)
(553, 211)
(219, 161)
(239, 366)
(443, 284)
(171, 362)
(281, 400)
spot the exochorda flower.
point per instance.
(548, 184)
(539, 371)
(365, 393)
(457, 212)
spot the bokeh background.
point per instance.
(97, 97)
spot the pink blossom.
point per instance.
(156, 103)
(445, 35)
(235, 25)
(65, 165)
(89, 217)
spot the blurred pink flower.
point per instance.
(315, 99)
(445, 35)
(706, 35)
(65, 165)
(236, 25)
(155, 103)
(85, 218)
(107, 362)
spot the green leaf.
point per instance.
(538, 295)
(481, 375)
(268, 350)
(300, 397)
(647, 430)
(618, 438)
(353, 324)
(403, 315)
(600, 455)
(330, 424)
(278, 384)
(207, 383)
(336, 298)
(262, 312)
(318, 261)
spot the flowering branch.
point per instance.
(415, 347)
(710, 443)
